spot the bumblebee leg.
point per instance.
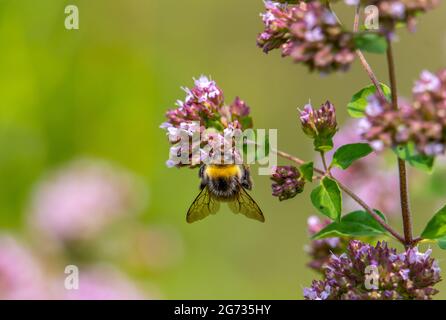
(201, 171)
(201, 176)
(246, 179)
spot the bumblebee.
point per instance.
(224, 183)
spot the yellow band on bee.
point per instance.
(226, 171)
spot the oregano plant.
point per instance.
(345, 245)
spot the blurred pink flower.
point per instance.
(369, 177)
(100, 283)
(380, 191)
(20, 274)
(77, 201)
(321, 250)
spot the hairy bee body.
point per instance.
(224, 183)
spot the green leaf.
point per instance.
(379, 213)
(370, 42)
(327, 198)
(354, 224)
(442, 243)
(322, 144)
(348, 153)
(436, 227)
(306, 170)
(409, 153)
(214, 123)
(356, 106)
(246, 122)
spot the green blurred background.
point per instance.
(102, 91)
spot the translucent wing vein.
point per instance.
(246, 205)
(202, 206)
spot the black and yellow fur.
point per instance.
(224, 183)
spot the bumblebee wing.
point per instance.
(202, 206)
(246, 205)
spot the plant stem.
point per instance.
(328, 6)
(359, 53)
(351, 194)
(404, 193)
(356, 21)
(371, 212)
(407, 241)
(291, 158)
(363, 60)
(324, 162)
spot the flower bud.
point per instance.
(320, 125)
(287, 182)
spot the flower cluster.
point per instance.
(287, 182)
(186, 143)
(367, 272)
(394, 12)
(320, 125)
(309, 33)
(422, 122)
(202, 103)
(320, 250)
(203, 122)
